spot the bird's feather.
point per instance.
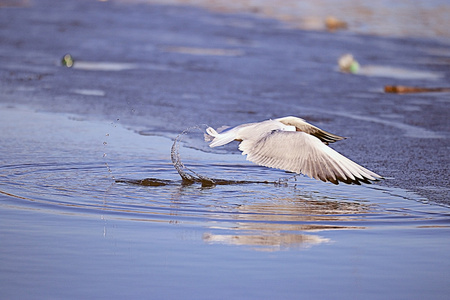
(304, 126)
(302, 153)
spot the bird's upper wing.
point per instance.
(302, 125)
(300, 152)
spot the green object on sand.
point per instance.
(67, 61)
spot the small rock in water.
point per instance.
(67, 61)
(333, 23)
(347, 63)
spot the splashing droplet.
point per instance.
(180, 167)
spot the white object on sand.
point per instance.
(293, 145)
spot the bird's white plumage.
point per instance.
(294, 145)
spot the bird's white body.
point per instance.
(294, 145)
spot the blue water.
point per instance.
(74, 224)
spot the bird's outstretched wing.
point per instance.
(300, 152)
(302, 125)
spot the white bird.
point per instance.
(292, 144)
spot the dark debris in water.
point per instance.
(204, 182)
(146, 181)
(401, 89)
(210, 182)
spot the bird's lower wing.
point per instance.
(300, 152)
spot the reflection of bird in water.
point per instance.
(267, 242)
(294, 145)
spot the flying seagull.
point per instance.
(292, 144)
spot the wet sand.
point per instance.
(400, 19)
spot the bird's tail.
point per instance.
(210, 134)
(219, 139)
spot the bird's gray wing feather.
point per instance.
(301, 125)
(300, 152)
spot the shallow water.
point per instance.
(80, 206)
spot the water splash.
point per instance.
(189, 176)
